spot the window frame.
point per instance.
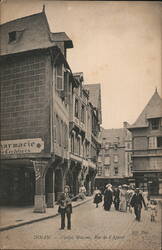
(155, 126)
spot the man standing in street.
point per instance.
(65, 208)
(136, 202)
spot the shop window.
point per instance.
(76, 108)
(155, 123)
(159, 141)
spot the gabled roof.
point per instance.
(95, 96)
(32, 32)
(152, 110)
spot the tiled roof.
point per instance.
(32, 33)
(152, 110)
(114, 135)
(95, 96)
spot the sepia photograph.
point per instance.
(80, 124)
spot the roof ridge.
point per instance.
(21, 18)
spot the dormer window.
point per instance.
(155, 123)
(12, 36)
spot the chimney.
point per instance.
(125, 124)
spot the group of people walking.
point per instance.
(124, 198)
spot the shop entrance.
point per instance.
(17, 186)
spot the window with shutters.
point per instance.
(59, 77)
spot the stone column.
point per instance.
(50, 187)
(40, 169)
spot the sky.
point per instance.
(117, 44)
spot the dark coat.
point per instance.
(116, 195)
(98, 198)
(108, 195)
(136, 200)
(65, 203)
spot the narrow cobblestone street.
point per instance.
(92, 228)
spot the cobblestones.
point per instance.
(92, 228)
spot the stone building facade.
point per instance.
(37, 94)
(147, 147)
(114, 161)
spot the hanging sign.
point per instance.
(21, 146)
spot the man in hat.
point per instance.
(65, 208)
(136, 202)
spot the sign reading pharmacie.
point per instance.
(21, 146)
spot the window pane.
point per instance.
(107, 160)
(159, 141)
(59, 70)
(155, 123)
(152, 142)
(115, 158)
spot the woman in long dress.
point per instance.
(123, 199)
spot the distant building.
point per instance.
(114, 161)
(147, 147)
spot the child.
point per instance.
(97, 197)
(153, 209)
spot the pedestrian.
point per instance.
(97, 197)
(82, 192)
(65, 208)
(130, 193)
(136, 203)
(108, 197)
(116, 198)
(123, 198)
(153, 209)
